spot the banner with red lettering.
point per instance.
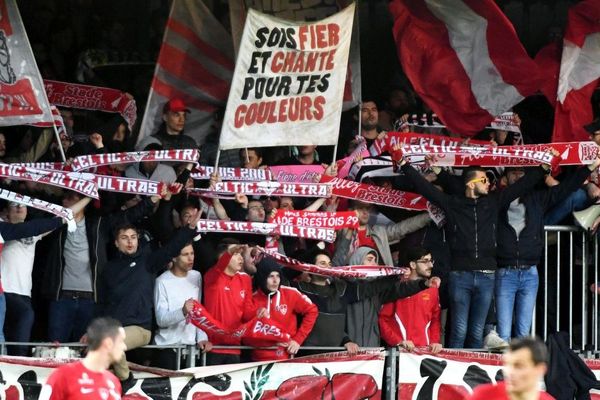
(307, 12)
(22, 96)
(317, 219)
(297, 173)
(263, 228)
(94, 160)
(288, 84)
(85, 97)
(351, 271)
(375, 194)
(449, 375)
(64, 180)
(266, 188)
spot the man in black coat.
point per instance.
(127, 284)
(471, 225)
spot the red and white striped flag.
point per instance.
(22, 96)
(463, 58)
(195, 64)
(579, 72)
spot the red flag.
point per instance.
(579, 72)
(195, 64)
(463, 58)
(22, 96)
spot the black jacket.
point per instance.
(526, 249)
(126, 289)
(568, 376)
(99, 233)
(180, 141)
(333, 299)
(471, 223)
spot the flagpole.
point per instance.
(62, 151)
(217, 161)
(43, 89)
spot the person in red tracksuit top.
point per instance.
(283, 305)
(228, 298)
(415, 320)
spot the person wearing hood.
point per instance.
(127, 284)
(152, 170)
(376, 236)
(283, 305)
(333, 297)
(362, 317)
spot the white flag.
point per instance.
(22, 97)
(289, 81)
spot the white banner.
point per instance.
(22, 96)
(288, 83)
(330, 376)
(449, 375)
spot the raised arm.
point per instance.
(426, 188)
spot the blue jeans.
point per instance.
(578, 200)
(18, 323)
(516, 291)
(471, 294)
(68, 319)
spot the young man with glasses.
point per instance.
(414, 321)
(471, 219)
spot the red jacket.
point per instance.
(498, 392)
(284, 307)
(415, 318)
(228, 298)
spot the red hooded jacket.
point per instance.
(283, 306)
(228, 298)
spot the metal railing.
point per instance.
(565, 301)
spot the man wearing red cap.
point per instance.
(170, 133)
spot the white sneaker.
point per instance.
(494, 342)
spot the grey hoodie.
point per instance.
(362, 317)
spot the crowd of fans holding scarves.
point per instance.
(192, 261)
(404, 241)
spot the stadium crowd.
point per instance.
(140, 260)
